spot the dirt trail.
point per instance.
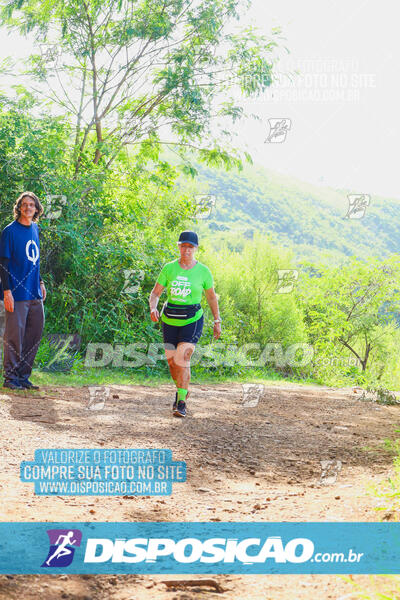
(243, 464)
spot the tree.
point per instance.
(135, 73)
(350, 305)
(248, 286)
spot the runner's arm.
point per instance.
(213, 303)
(155, 296)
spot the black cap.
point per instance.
(190, 237)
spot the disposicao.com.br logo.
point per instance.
(219, 548)
(213, 550)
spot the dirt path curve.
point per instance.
(243, 464)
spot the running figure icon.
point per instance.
(62, 549)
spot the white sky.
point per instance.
(347, 138)
(345, 143)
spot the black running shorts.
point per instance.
(174, 334)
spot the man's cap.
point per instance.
(189, 237)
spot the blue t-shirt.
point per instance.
(20, 244)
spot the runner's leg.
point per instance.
(189, 335)
(182, 361)
(170, 337)
(170, 354)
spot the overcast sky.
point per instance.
(345, 131)
(342, 114)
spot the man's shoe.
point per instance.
(28, 385)
(180, 410)
(13, 385)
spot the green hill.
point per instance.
(310, 220)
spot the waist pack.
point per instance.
(179, 311)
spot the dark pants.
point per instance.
(22, 335)
(2, 326)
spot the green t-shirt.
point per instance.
(185, 286)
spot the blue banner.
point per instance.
(200, 548)
(103, 472)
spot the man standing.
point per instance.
(23, 292)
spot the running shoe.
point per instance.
(175, 404)
(180, 410)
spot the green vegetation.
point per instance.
(117, 137)
(380, 587)
(388, 492)
(309, 220)
(347, 314)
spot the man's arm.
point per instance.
(4, 276)
(5, 256)
(42, 286)
(5, 282)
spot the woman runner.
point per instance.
(182, 316)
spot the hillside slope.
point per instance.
(309, 219)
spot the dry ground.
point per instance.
(243, 464)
